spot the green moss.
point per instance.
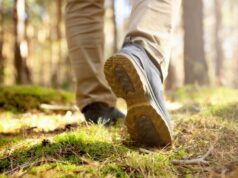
(4, 164)
(24, 98)
(204, 95)
(64, 170)
(227, 111)
(93, 142)
(8, 141)
(42, 168)
(116, 171)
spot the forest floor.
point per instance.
(40, 143)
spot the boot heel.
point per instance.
(147, 127)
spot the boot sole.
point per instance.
(144, 122)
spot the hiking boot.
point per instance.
(100, 112)
(135, 78)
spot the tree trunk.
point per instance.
(196, 68)
(218, 41)
(23, 75)
(170, 82)
(28, 43)
(55, 78)
(1, 43)
(115, 34)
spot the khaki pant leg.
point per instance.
(151, 25)
(84, 31)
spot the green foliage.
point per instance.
(25, 98)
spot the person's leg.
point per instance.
(85, 37)
(151, 25)
(136, 72)
(84, 30)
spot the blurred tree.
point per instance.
(115, 34)
(196, 68)
(58, 23)
(1, 41)
(235, 50)
(171, 79)
(23, 74)
(218, 40)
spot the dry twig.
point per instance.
(36, 163)
(197, 161)
(58, 107)
(145, 151)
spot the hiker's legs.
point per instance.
(84, 30)
(134, 74)
(151, 25)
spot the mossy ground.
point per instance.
(61, 145)
(25, 98)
